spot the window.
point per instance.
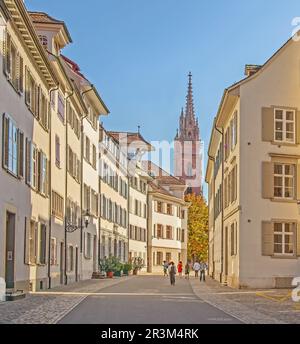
(44, 40)
(233, 237)
(57, 151)
(61, 107)
(169, 209)
(284, 238)
(43, 173)
(159, 232)
(71, 259)
(168, 257)
(88, 245)
(57, 205)
(31, 164)
(86, 197)
(31, 93)
(94, 157)
(285, 125)
(159, 258)
(182, 214)
(160, 207)
(32, 242)
(13, 65)
(169, 233)
(233, 131)
(13, 147)
(145, 211)
(284, 175)
(42, 247)
(227, 144)
(183, 236)
(43, 110)
(190, 170)
(94, 203)
(87, 149)
(53, 251)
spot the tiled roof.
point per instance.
(41, 17)
(130, 137)
(163, 177)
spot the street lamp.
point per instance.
(70, 228)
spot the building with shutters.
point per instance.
(114, 198)
(26, 80)
(167, 218)
(254, 177)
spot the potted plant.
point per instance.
(118, 269)
(109, 266)
(127, 268)
(137, 265)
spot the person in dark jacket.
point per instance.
(172, 273)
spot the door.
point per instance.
(61, 263)
(76, 265)
(10, 250)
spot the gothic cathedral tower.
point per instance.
(187, 148)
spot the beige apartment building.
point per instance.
(167, 219)
(26, 81)
(114, 198)
(254, 177)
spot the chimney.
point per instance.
(251, 69)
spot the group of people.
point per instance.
(171, 270)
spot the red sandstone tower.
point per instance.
(188, 147)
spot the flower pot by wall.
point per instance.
(110, 274)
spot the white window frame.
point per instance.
(283, 177)
(283, 234)
(284, 124)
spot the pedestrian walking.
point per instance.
(165, 267)
(196, 268)
(203, 268)
(187, 271)
(172, 273)
(179, 269)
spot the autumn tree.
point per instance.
(198, 228)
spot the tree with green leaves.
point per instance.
(198, 228)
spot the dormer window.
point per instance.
(44, 41)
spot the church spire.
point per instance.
(190, 111)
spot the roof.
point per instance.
(130, 138)
(163, 177)
(44, 18)
(74, 66)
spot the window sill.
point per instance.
(286, 257)
(283, 200)
(280, 144)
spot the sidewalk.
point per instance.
(250, 306)
(50, 306)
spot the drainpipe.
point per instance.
(128, 225)
(50, 187)
(66, 185)
(222, 211)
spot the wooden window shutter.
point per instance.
(298, 239)
(5, 146)
(20, 154)
(298, 127)
(267, 124)
(267, 239)
(28, 162)
(6, 59)
(4, 49)
(267, 180)
(20, 74)
(26, 241)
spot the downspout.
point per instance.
(128, 219)
(50, 187)
(222, 211)
(66, 185)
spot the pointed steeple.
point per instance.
(190, 111)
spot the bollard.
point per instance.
(2, 290)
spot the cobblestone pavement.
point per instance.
(250, 306)
(49, 307)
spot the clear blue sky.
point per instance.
(138, 52)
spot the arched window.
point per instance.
(44, 40)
